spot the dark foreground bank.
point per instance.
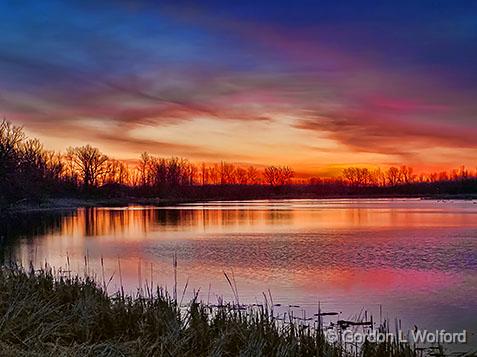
(42, 314)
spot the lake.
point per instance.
(416, 260)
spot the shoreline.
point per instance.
(65, 203)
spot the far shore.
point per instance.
(52, 204)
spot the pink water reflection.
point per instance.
(416, 258)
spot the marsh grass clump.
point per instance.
(47, 314)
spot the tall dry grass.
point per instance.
(51, 314)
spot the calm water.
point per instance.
(416, 258)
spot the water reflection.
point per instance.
(416, 258)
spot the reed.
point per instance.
(45, 313)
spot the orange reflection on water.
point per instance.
(404, 254)
(132, 222)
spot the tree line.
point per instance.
(28, 171)
(402, 175)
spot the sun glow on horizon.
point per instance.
(318, 91)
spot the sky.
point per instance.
(316, 85)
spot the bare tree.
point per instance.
(286, 175)
(378, 177)
(271, 175)
(214, 174)
(116, 172)
(276, 175)
(241, 176)
(10, 139)
(89, 162)
(358, 176)
(406, 174)
(204, 174)
(350, 175)
(227, 174)
(144, 168)
(55, 166)
(392, 174)
(252, 176)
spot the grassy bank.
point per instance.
(43, 315)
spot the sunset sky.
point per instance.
(317, 85)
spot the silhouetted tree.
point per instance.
(10, 139)
(253, 176)
(406, 174)
(358, 176)
(89, 162)
(115, 172)
(145, 169)
(278, 176)
(27, 170)
(393, 176)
